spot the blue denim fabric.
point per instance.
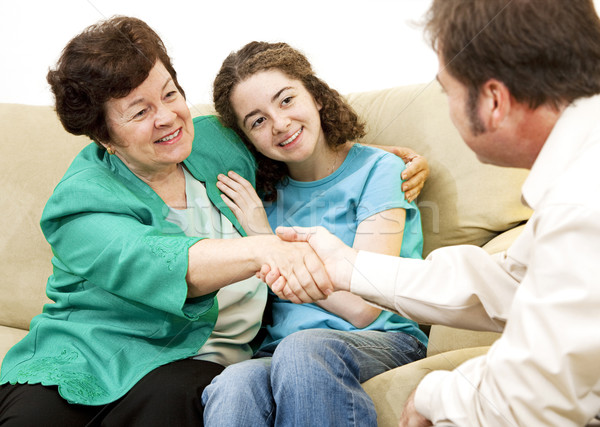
(312, 379)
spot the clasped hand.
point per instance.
(334, 256)
(304, 264)
(295, 272)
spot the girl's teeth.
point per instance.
(170, 137)
(291, 138)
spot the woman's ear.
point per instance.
(495, 103)
(109, 148)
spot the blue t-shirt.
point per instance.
(368, 182)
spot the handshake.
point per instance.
(326, 266)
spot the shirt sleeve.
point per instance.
(119, 247)
(383, 188)
(450, 287)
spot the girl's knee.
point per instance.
(241, 378)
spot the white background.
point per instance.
(354, 45)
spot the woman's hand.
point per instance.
(241, 198)
(416, 172)
(337, 258)
(301, 274)
(215, 263)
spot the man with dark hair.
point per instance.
(523, 84)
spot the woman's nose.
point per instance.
(164, 116)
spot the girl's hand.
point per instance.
(416, 172)
(241, 198)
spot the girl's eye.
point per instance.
(258, 122)
(171, 94)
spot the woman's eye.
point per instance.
(140, 114)
(171, 94)
(286, 100)
(258, 122)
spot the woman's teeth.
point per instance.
(170, 137)
(291, 138)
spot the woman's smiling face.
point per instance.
(151, 129)
(279, 117)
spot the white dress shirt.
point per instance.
(543, 293)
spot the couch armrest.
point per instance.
(503, 240)
(390, 390)
(445, 338)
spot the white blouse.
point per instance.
(241, 304)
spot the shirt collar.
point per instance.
(567, 139)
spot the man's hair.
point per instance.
(107, 60)
(339, 121)
(544, 51)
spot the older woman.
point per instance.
(141, 241)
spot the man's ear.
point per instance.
(495, 103)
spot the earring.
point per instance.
(110, 151)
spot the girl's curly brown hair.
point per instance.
(338, 120)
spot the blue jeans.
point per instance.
(313, 378)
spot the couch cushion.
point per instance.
(464, 201)
(34, 154)
(390, 390)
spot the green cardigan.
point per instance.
(118, 283)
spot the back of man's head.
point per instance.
(544, 51)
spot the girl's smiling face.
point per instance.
(280, 118)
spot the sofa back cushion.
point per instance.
(463, 201)
(35, 152)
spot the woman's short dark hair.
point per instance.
(544, 51)
(107, 60)
(339, 121)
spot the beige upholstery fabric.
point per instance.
(390, 390)
(34, 154)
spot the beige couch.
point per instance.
(463, 202)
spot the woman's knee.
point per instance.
(17, 402)
(169, 395)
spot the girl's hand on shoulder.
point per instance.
(416, 172)
(242, 199)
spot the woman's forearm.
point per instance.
(215, 263)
